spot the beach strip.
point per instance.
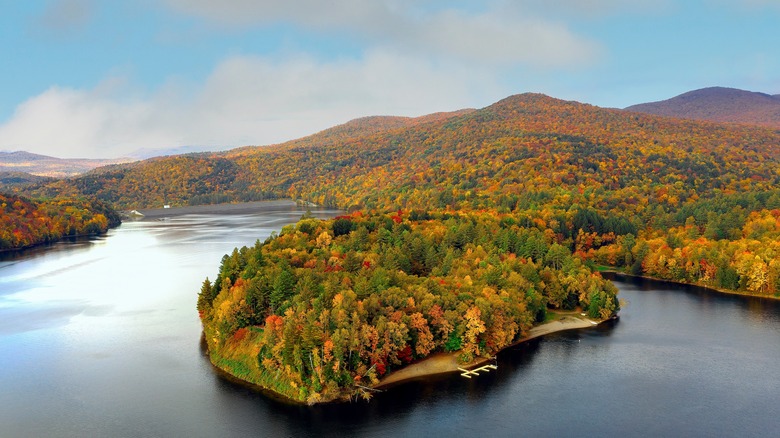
(441, 363)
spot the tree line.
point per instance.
(25, 222)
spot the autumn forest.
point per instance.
(677, 199)
(461, 230)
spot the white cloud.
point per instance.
(246, 100)
(493, 40)
(309, 12)
(495, 32)
(74, 123)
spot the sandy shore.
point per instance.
(441, 363)
(241, 208)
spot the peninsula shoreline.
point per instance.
(446, 363)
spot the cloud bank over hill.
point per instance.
(247, 100)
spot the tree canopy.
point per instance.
(317, 311)
(25, 222)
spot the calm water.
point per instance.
(101, 338)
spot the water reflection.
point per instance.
(758, 311)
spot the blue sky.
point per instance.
(91, 78)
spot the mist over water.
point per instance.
(101, 338)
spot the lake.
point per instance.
(100, 337)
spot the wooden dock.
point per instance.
(475, 372)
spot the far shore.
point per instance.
(710, 288)
(443, 363)
(238, 208)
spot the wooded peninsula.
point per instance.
(327, 308)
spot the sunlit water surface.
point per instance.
(101, 338)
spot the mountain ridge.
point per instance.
(718, 104)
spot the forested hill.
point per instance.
(208, 178)
(524, 151)
(684, 200)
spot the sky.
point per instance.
(106, 78)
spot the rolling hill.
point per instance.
(43, 165)
(21, 178)
(524, 151)
(718, 104)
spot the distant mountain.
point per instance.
(43, 165)
(22, 157)
(719, 104)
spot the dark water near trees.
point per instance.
(101, 338)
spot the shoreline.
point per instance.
(446, 363)
(709, 288)
(237, 208)
(436, 364)
(163, 213)
(41, 245)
